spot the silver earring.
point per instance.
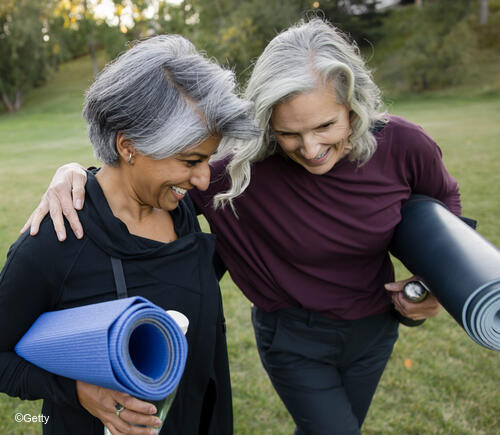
(129, 158)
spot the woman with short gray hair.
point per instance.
(155, 116)
(314, 201)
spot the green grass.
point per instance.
(452, 385)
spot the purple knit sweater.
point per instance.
(320, 241)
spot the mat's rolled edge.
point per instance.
(132, 384)
(481, 315)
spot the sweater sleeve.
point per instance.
(28, 288)
(428, 174)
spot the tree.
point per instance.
(483, 11)
(439, 51)
(79, 16)
(23, 51)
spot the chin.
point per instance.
(318, 170)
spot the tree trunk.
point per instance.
(419, 3)
(19, 100)
(90, 40)
(93, 56)
(483, 11)
(6, 102)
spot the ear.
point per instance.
(124, 147)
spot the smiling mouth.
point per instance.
(320, 158)
(178, 192)
(323, 154)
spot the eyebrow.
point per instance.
(195, 154)
(314, 128)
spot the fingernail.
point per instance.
(32, 231)
(152, 410)
(60, 236)
(157, 422)
(78, 234)
(153, 432)
(390, 286)
(78, 204)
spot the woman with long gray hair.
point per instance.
(304, 215)
(155, 116)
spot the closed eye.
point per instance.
(325, 125)
(192, 163)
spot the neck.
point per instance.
(121, 195)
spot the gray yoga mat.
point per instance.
(461, 267)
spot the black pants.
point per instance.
(325, 371)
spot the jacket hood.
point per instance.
(112, 235)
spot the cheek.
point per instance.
(288, 145)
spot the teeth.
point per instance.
(321, 155)
(179, 190)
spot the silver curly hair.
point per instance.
(165, 97)
(300, 59)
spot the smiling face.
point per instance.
(163, 183)
(313, 129)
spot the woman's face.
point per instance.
(313, 129)
(163, 183)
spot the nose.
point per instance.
(310, 147)
(200, 177)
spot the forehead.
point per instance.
(205, 148)
(307, 110)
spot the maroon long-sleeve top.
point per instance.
(320, 242)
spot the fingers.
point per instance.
(136, 412)
(56, 215)
(398, 285)
(118, 426)
(36, 217)
(69, 212)
(129, 430)
(134, 418)
(78, 191)
(101, 402)
(133, 404)
(430, 307)
(65, 193)
(114, 431)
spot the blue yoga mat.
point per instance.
(129, 345)
(461, 268)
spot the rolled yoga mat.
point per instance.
(129, 345)
(461, 268)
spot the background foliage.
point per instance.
(418, 48)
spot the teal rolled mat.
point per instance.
(460, 266)
(129, 345)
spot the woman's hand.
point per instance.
(101, 402)
(66, 193)
(429, 307)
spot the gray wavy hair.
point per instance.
(165, 97)
(299, 60)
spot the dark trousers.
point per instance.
(325, 371)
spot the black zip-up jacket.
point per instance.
(41, 274)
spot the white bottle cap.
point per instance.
(181, 320)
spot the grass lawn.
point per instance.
(438, 380)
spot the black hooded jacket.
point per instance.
(41, 274)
